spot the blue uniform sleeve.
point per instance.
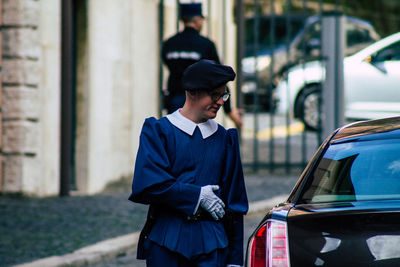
(234, 195)
(153, 182)
(233, 189)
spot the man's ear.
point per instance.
(192, 95)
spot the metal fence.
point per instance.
(278, 140)
(272, 38)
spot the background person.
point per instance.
(185, 48)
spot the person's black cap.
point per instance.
(206, 75)
(190, 10)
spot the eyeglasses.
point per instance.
(216, 96)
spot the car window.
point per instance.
(356, 171)
(357, 35)
(312, 32)
(391, 52)
(280, 31)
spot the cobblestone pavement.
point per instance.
(34, 228)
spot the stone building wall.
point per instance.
(1, 112)
(117, 88)
(30, 90)
(20, 89)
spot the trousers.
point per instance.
(160, 256)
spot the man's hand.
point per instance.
(210, 202)
(236, 117)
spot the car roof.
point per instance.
(278, 16)
(388, 128)
(359, 21)
(310, 18)
(363, 22)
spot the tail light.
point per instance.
(277, 244)
(269, 246)
(258, 248)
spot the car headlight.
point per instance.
(263, 62)
(249, 87)
(249, 63)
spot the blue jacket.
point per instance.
(171, 167)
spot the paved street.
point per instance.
(279, 124)
(34, 228)
(130, 260)
(280, 143)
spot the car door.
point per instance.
(373, 85)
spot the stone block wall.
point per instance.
(20, 94)
(117, 89)
(1, 108)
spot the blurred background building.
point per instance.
(78, 79)
(80, 76)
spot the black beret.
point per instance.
(190, 10)
(206, 75)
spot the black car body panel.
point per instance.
(345, 234)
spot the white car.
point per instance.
(371, 84)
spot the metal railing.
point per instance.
(287, 150)
(269, 140)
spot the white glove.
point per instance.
(210, 202)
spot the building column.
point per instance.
(20, 84)
(1, 111)
(30, 96)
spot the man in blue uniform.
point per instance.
(184, 49)
(188, 169)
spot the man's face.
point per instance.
(206, 107)
(198, 21)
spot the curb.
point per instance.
(262, 205)
(122, 245)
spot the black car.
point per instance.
(344, 209)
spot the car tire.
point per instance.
(307, 107)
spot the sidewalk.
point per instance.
(33, 229)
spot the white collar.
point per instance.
(207, 128)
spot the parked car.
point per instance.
(264, 51)
(304, 45)
(371, 84)
(344, 209)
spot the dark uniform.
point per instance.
(176, 159)
(179, 52)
